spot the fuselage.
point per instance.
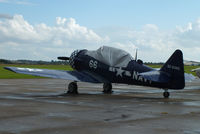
(80, 61)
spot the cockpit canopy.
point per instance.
(111, 56)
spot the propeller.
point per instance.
(138, 60)
(136, 55)
(63, 58)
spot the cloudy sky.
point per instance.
(45, 29)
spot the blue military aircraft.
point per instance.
(109, 65)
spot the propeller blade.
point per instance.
(136, 55)
(63, 58)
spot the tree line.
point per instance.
(33, 62)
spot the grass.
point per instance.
(189, 68)
(5, 74)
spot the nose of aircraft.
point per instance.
(72, 57)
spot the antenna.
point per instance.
(136, 55)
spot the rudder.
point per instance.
(175, 68)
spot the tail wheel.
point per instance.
(166, 94)
(72, 88)
(107, 88)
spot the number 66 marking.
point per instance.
(93, 64)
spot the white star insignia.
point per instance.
(119, 71)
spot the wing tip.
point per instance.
(9, 68)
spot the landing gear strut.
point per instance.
(166, 94)
(72, 88)
(107, 88)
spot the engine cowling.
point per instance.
(72, 57)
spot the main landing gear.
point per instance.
(107, 88)
(72, 88)
(166, 94)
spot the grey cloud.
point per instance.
(18, 2)
(5, 16)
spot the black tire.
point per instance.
(166, 94)
(72, 88)
(107, 88)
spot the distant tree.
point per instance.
(3, 61)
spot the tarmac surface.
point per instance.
(38, 106)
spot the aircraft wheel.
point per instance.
(107, 88)
(72, 88)
(166, 94)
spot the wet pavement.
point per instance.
(30, 106)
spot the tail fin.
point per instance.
(175, 68)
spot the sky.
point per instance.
(45, 29)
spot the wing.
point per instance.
(59, 74)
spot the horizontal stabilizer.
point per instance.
(156, 76)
